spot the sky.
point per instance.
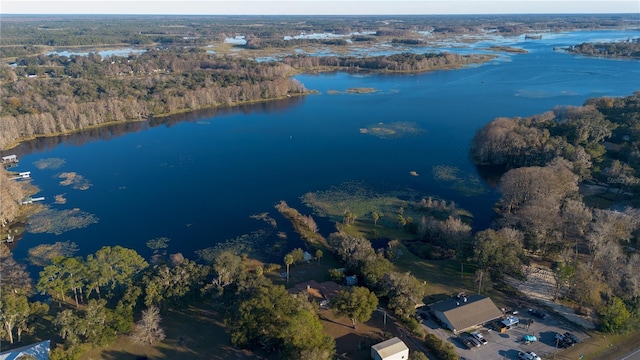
(315, 7)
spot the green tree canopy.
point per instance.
(615, 316)
(357, 303)
(282, 323)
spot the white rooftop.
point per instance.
(390, 347)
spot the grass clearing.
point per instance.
(194, 332)
(441, 276)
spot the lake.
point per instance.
(197, 178)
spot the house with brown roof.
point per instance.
(465, 312)
(321, 292)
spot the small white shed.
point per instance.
(392, 349)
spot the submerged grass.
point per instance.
(462, 182)
(59, 221)
(393, 129)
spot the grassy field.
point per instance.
(195, 332)
(602, 347)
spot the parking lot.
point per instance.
(506, 345)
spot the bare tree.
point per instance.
(148, 330)
(480, 273)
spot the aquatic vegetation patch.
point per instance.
(60, 199)
(74, 180)
(466, 184)
(49, 163)
(59, 221)
(158, 243)
(355, 196)
(259, 244)
(266, 218)
(43, 255)
(445, 172)
(357, 201)
(393, 130)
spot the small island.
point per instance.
(363, 90)
(507, 49)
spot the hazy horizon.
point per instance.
(313, 7)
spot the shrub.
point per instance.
(415, 327)
(439, 348)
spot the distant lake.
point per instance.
(197, 178)
(102, 53)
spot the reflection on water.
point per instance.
(109, 132)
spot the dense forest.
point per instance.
(600, 139)
(625, 49)
(73, 93)
(548, 207)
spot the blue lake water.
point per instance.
(197, 180)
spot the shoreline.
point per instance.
(311, 70)
(15, 143)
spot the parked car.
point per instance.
(468, 343)
(538, 313)
(562, 340)
(570, 337)
(529, 355)
(476, 335)
(469, 339)
(528, 339)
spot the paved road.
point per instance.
(633, 355)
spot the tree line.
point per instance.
(73, 93)
(405, 62)
(543, 212)
(599, 138)
(96, 297)
(626, 49)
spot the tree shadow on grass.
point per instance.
(324, 318)
(157, 354)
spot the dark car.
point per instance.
(562, 340)
(468, 343)
(476, 335)
(569, 337)
(538, 313)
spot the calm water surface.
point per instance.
(198, 181)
